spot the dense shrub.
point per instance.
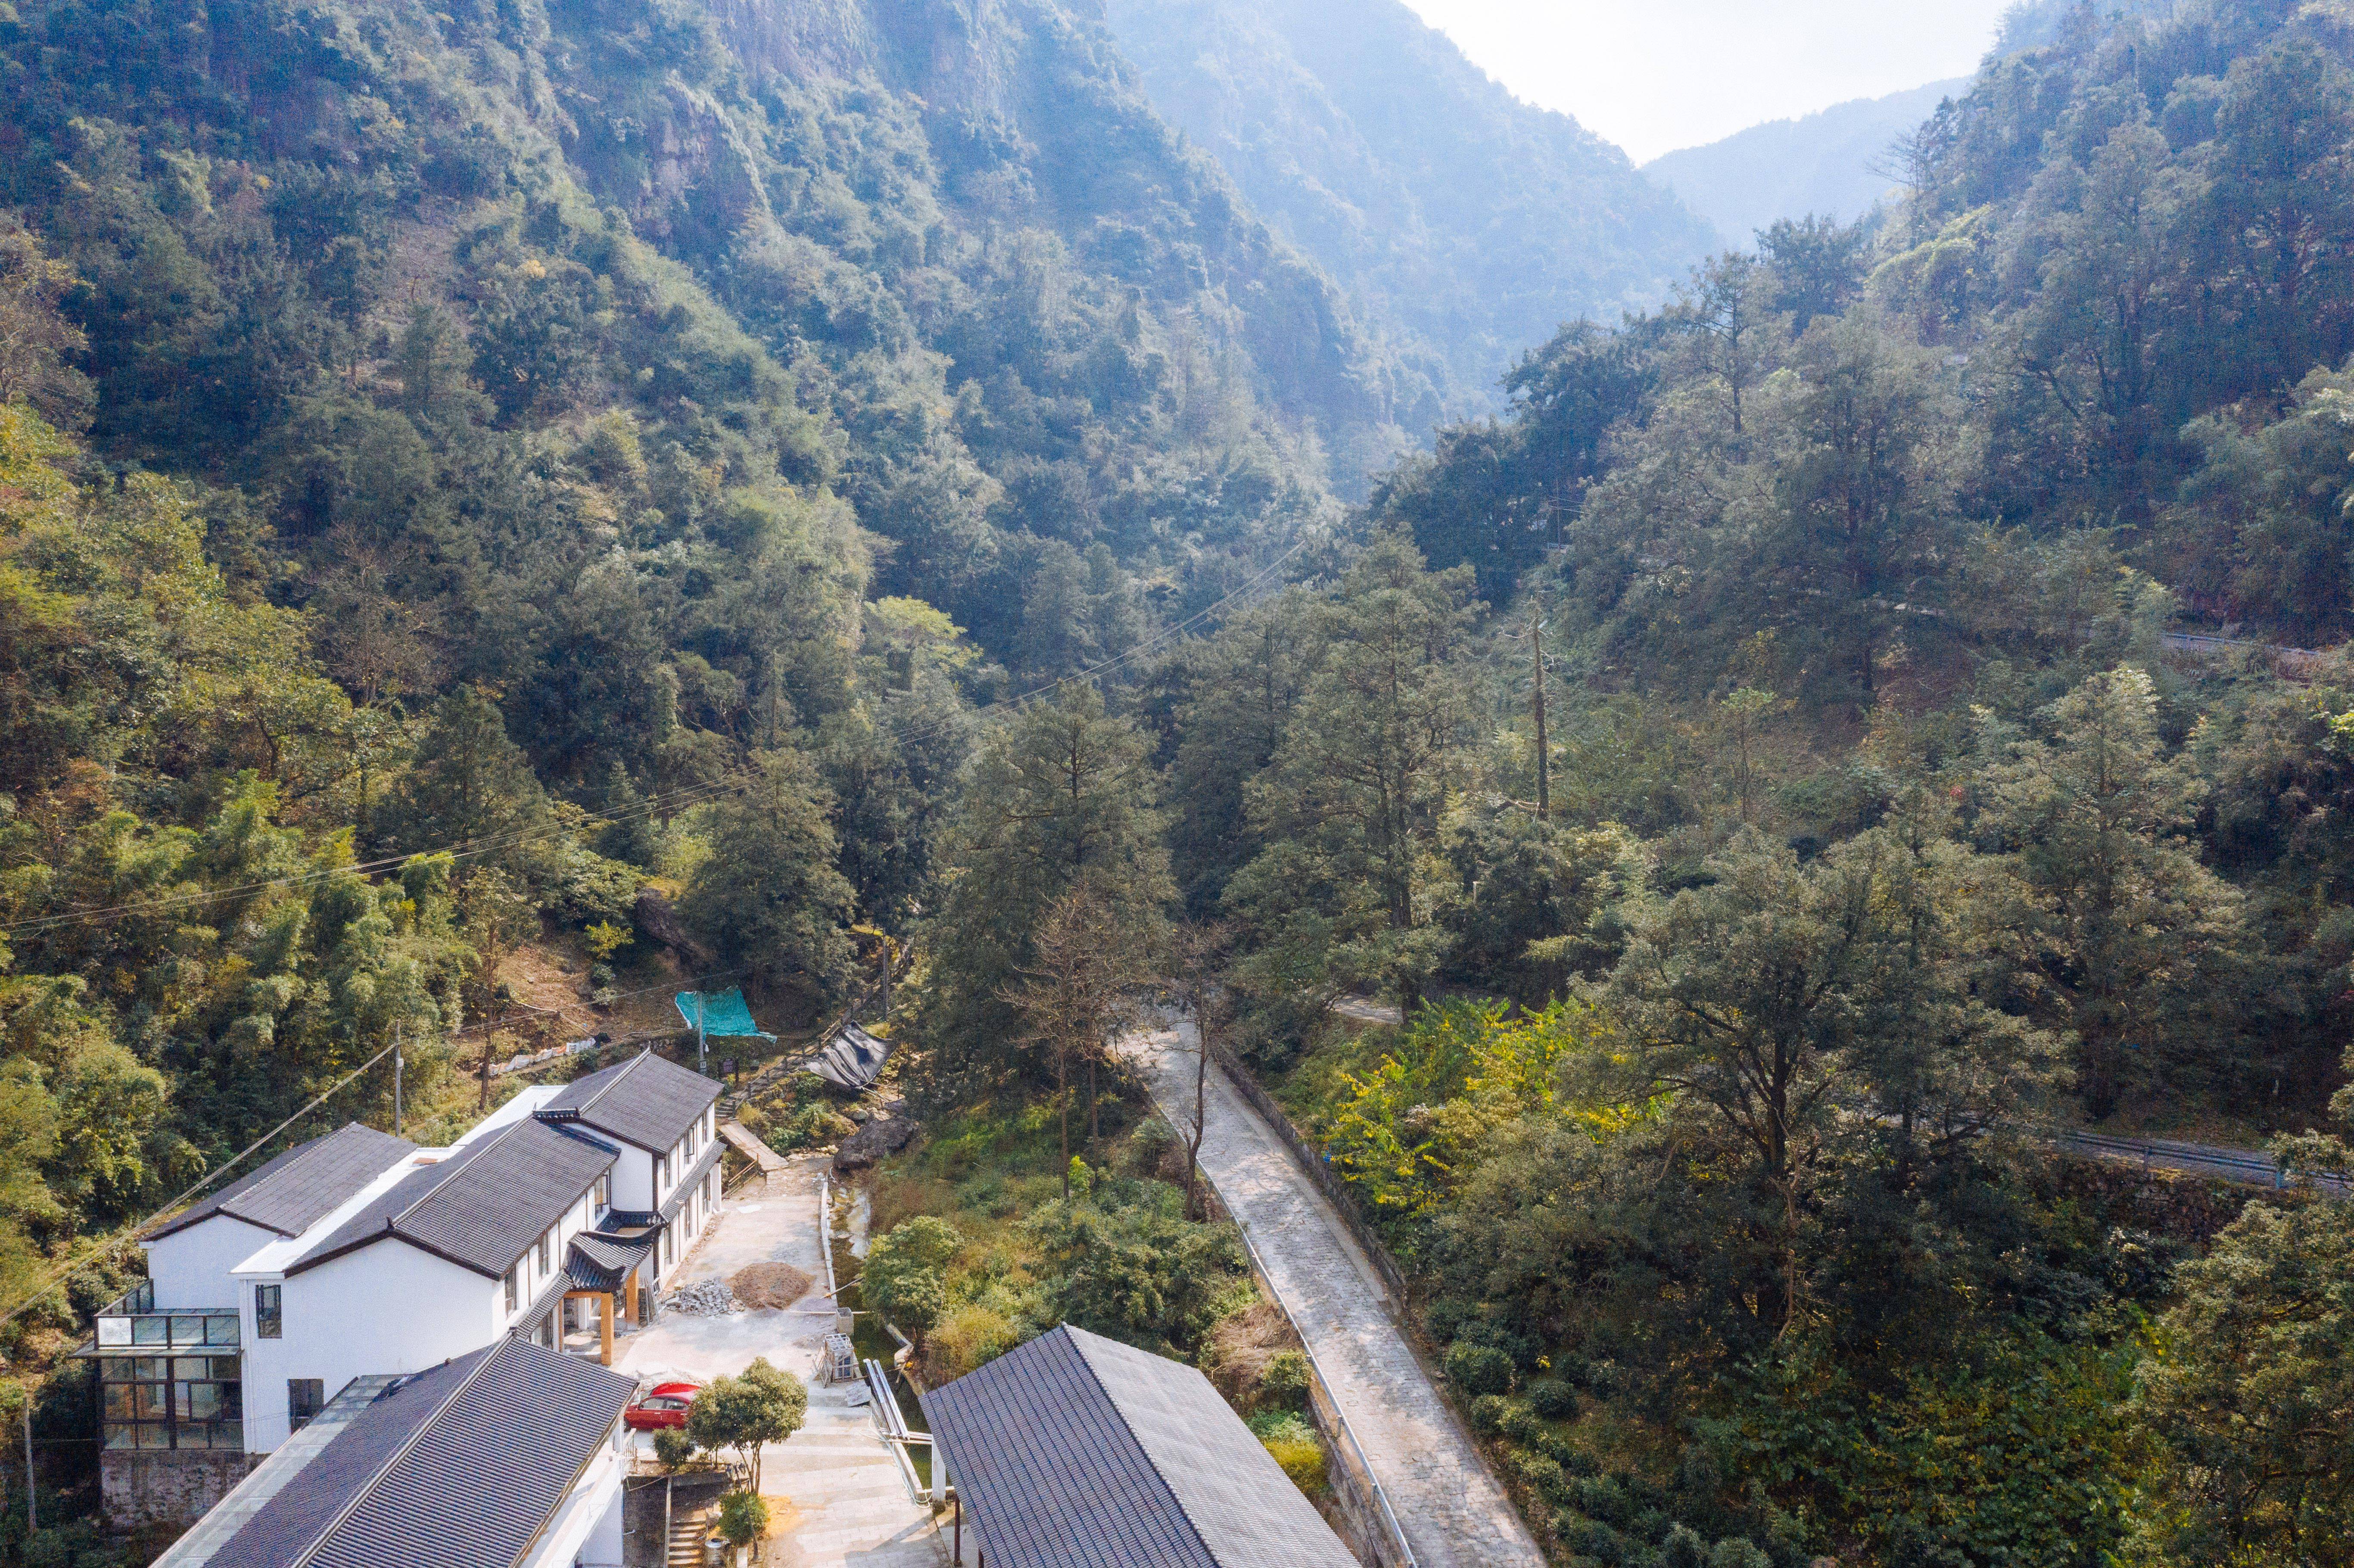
(1477, 1369)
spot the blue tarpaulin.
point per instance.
(724, 1014)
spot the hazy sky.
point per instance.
(1657, 75)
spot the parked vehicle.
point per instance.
(664, 1405)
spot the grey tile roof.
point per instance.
(484, 1206)
(460, 1467)
(302, 1186)
(645, 1101)
(306, 1504)
(600, 1263)
(1076, 1451)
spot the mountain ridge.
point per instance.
(1473, 223)
(1794, 168)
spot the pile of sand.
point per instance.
(769, 1285)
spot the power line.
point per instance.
(50, 1280)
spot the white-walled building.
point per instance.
(510, 1456)
(360, 1255)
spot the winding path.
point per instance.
(1452, 1510)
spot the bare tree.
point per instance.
(1077, 994)
(1197, 957)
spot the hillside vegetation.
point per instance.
(639, 484)
(1880, 822)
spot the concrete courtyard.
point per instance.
(836, 1497)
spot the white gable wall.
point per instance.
(386, 1308)
(193, 1267)
(633, 1175)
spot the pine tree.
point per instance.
(1060, 798)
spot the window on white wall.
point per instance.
(547, 1247)
(269, 1318)
(514, 1286)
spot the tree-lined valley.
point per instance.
(578, 500)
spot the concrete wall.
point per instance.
(191, 1268)
(166, 1486)
(633, 1178)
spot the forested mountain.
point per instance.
(1836, 161)
(598, 443)
(633, 486)
(1469, 221)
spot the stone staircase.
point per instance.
(688, 1534)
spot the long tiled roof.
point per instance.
(645, 1101)
(1076, 1451)
(306, 1502)
(460, 1466)
(301, 1186)
(483, 1207)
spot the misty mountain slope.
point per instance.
(1822, 163)
(1472, 220)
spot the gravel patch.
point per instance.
(705, 1298)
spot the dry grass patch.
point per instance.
(1243, 1347)
(897, 1195)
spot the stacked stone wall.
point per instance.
(146, 1487)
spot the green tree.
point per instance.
(769, 895)
(1352, 803)
(758, 1406)
(1242, 687)
(1816, 265)
(1060, 797)
(1808, 1017)
(1854, 554)
(2278, 214)
(743, 1518)
(2248, 1392)
(471, 791)
(1074, 997)
(2143, 950)
(903, 1277)
(37, 344)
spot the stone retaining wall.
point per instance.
(173, 1487)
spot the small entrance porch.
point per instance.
(608, 1281)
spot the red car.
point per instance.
(664, 1405)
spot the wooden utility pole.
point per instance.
(1544, 757)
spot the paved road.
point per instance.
(834, 1492)
(2249, 1165)
(1365, 1010)
(1453, 1511)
